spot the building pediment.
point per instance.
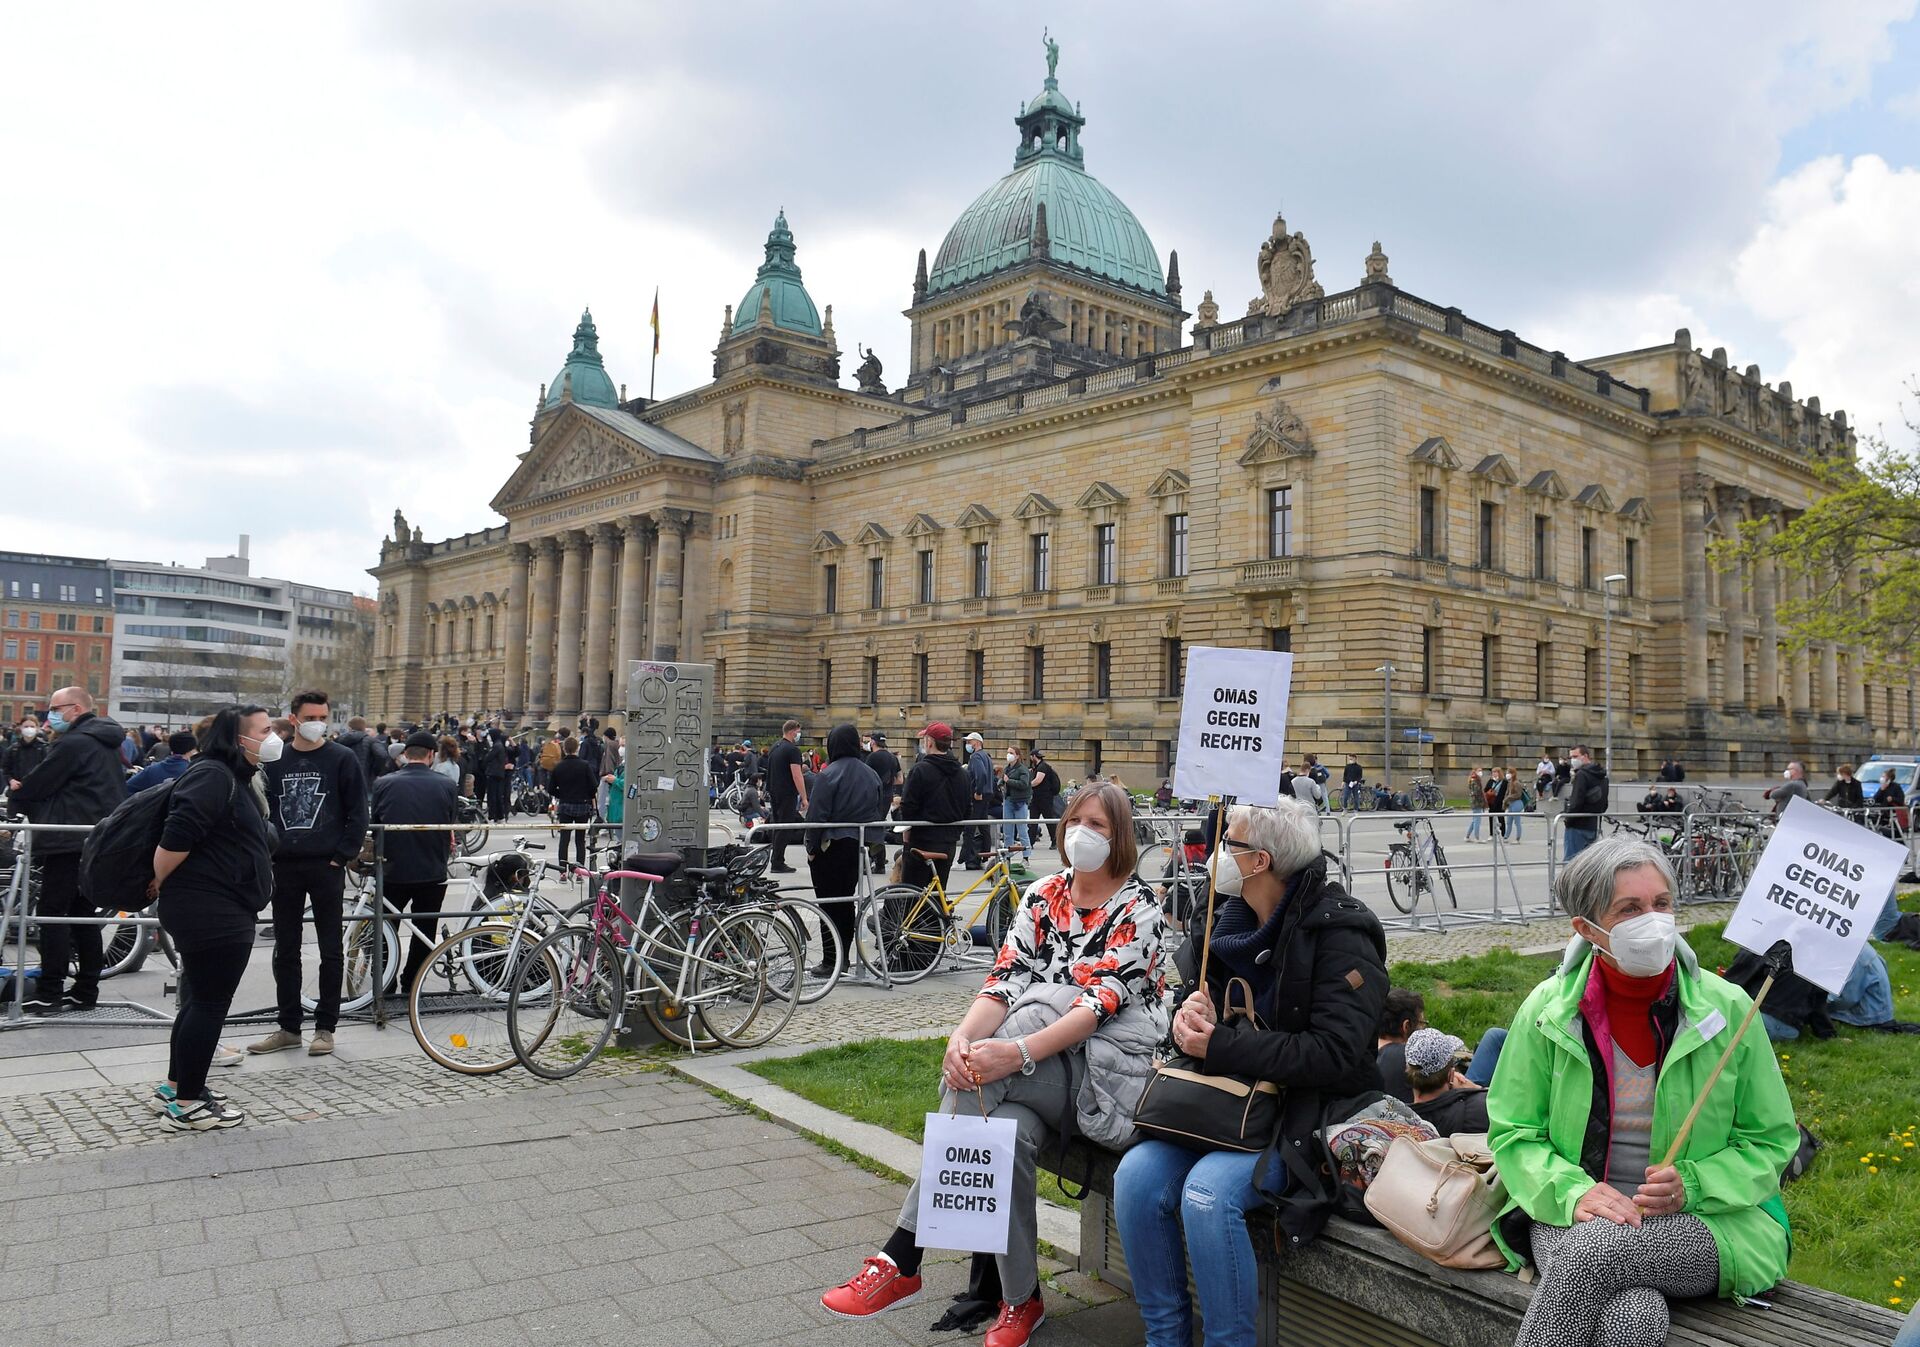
(922, 526)
(1099, 494)
(976, 517)
(1496, 468)
(1595, 497)
(826, 540)
(872, 533)
(1035, 506)
(1172, 482)
(1278, 433)
(583, 445)
(1437, 452)
(1636, 510)
(1548, 484)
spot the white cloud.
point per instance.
(1835, 269)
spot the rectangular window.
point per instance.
(99, 624)
(33, 650)
(1280, 639)
(1106, 561)
(982, 571)
(1590, 674)
(876, 582)
(1096, 758)
(1489, 663)
(63, 651)
(1172, 668)
(33, 621)
(1542, 547)
(1429, 522)
(1428, 643)
(1103, 670)
(1543, 671)
(826, 682)
(1040, 576)
(30, 682)
(69, 594)
(873, 680)
(1176, 545)
(1036, 672)
(13, 647)
(719, 679)
(977, 675)
(1489, 530)
(1586, 558)
(6, 680)
(1634, 675)
(1280, 522)
(13, 618)
(830, 593)
(36, 589)
(925, 568)
(66, 621)
(920, 678)
(1632, 566)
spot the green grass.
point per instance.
(1853, 1220)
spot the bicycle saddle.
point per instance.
(662, 863)
(708, 872)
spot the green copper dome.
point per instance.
(590, 382)
(777, 288)
(1088, 227)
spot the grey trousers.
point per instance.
(1035, 1103)
(1606, 1285)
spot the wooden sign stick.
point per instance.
(1206, 933)
(1775, 957)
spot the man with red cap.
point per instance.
(936, 797)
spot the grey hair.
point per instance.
(1289, 833)
(1585, 886)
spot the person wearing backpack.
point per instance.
(213, 875)
(80, 780)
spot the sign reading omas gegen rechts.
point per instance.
(669, 725)
(1233, 723)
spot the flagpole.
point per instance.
(654, 364)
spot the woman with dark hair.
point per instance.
(213, 873)
(845, 792)
(449, 761)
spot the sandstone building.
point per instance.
(1074, 484)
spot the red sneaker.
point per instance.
(1014, 1327)
(878, 1287)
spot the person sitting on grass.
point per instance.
(1442, 1094)
(1090, 937)
(1602, 1062)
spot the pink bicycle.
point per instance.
(704, 975)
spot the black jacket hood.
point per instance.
(107, 732)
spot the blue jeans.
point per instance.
(1889, 914)
(1012, 834)
(1473, 823)
(1516, 814)
(1162, 1189)
(1909, 1335)
(1578, 840)
(1486, 1057)
(1350, 795)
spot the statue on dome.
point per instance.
(1053, 52)
(1286, 270)
(1034, 319)
(868, 374)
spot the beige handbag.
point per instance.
(1440, 1199)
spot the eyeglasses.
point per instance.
(1235, 844)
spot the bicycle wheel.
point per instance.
(908, 926)
(748, 981)
(1402, 877)
(356, 977)
(126, 946)
(1000, 916)
(813, 928)
(465, 1029)
(1446, 873)
(566, 1002)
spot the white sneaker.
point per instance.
(226, 1056)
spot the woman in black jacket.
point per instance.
(213, 871)
(846, 791)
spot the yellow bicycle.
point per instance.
(921, 924)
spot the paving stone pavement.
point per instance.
(630, 1209)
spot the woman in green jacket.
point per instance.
(1603, 1062)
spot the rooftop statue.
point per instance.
(868, 374)
(1286, 269)
(1053, 52)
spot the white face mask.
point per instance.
(1012, 758)
(29, 732)
(1224, 870)
(1087, 849)
(269, 749)
(1642, 946)
(1786, 776)
(313, 731)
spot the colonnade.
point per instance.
(584, 603)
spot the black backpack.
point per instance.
(116, 860)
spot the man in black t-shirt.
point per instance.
(787, 788)
(887, 767)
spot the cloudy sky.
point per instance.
(278, 269)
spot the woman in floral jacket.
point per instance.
(1094, 926)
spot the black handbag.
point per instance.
(1184, 1103)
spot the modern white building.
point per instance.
(189, 638)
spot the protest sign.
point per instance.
(1818, 886)
(966, 1183)
(1233, 721)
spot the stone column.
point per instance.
(514, 699)
(1828, 701)
(633, 602)
(1693, 583)
(598, 625)
(1766, 600)
(696, 590)
(1856, 700)
(672, 525)
(566, 660)
(541, 598)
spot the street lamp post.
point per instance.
(1386, 758)
(1608, 582)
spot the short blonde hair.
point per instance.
(1117, 805)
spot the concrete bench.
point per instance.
(1356, 1284)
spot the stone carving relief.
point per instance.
(1277, 433)
(590, 456)
(1286, 269)
(1376, 267)
(1207, 314)
(734, 423)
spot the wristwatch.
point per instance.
(1026, 1058)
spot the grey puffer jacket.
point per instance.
(1110, 1070)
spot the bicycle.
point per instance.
(469, 820)
(1426, 796)
(1411, 866)
(728, 975)
(918, 925)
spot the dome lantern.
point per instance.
(778, 297)
(583, 378)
